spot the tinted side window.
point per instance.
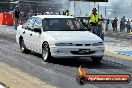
(46, 24)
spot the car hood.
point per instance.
(73, 36)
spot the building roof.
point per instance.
(53, 16)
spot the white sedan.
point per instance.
(59, 36)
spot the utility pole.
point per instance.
(74, 8)
(94, 4)
(105, 11)
(98, 8)
(11, 5)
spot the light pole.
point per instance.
(74, 8)
(11, 4)
(105, 11)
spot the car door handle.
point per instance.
(24, 32)
(30, 34)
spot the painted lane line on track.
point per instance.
(23, 55)
(51, 71)
(41, 62)
(56, 67)
(58, 74)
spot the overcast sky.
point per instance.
(104, 3)
(108, 3)
(120, 1)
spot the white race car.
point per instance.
(59, 36)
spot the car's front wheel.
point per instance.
(23, 48)
(46, 55)
(96, 60)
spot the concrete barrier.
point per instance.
(6, 19)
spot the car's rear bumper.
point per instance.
(74, 52)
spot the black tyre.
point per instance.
(46, 55)
(96, 60)
(23, 48)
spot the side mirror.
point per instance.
(37, 30)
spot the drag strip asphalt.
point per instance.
(60, 72)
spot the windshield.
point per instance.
(62, 24)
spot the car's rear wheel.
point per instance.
(23, 48)
(96, 60)
(46, 55)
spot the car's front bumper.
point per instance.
(97, 51)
